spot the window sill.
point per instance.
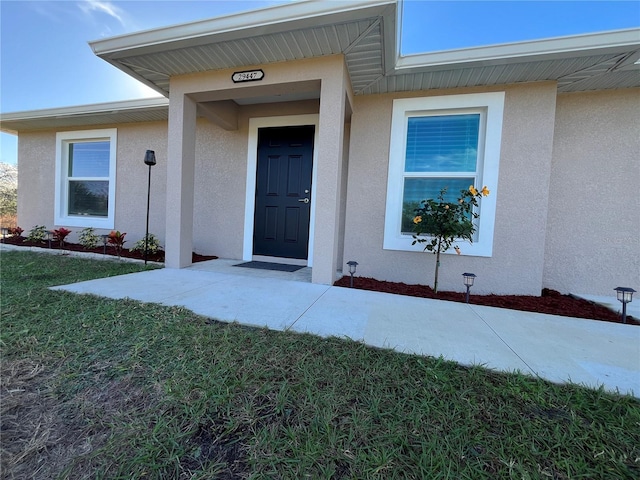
(476, 249)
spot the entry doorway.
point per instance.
(282, 212)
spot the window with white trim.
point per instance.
(85, 178)
(450, 141)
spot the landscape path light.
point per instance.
(5, 232)
(468, 282)
(105, 239)
(49, 236)
(625, 295)
(353, 265)
(149, 159)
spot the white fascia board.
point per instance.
(545, 49)
(268, 20)
(110, 107)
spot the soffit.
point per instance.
(573, 74)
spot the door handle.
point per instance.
(304, 200)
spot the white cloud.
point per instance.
(91, 6)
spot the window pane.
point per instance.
(89, 198)
(443, 143)
(418, 189)
(89, 159)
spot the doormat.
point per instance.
(280, 267)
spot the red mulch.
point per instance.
(110, 250)
(550, 301)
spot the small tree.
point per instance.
(442, 222)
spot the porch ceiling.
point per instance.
(366, 33)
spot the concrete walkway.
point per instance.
(559, 349)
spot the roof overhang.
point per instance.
(145, 110)
(363, 30)
(366, 32)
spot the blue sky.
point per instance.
(45, 61)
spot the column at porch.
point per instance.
(180, 181)
(329, 176)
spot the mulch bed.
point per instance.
(550, 301)
(110, 250)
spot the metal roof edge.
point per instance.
(107, 107)
(549, 48)
(265, 20)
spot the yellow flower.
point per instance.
(473, 190)
(485, 191)
(446, 207)
(417, 219)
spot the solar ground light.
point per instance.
(468, 282)
(625, 294)
(105, 239)
(5, 232)
(353, 265)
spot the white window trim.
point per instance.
(61, 217)
(252, 163)
(489, 158)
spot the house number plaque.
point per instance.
(247, 76)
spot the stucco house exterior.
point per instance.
(298, 133)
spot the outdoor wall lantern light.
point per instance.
(149, 159)
(625, 295)
(105, 238)
(352, 269)
(468, 282)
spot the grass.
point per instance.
(97, 388)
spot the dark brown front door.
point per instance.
(283, 192)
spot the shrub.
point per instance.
(37, 234)
(117, 240)
(60, 234)
(17, 231)
(88, 238)
(153, 245)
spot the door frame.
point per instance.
(252, 164)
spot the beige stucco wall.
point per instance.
(567, 217)
(36, 186)
(36, 173)
(518, 252)
(593, 240)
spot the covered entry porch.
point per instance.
(308, 187)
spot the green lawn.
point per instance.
(97, 388)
